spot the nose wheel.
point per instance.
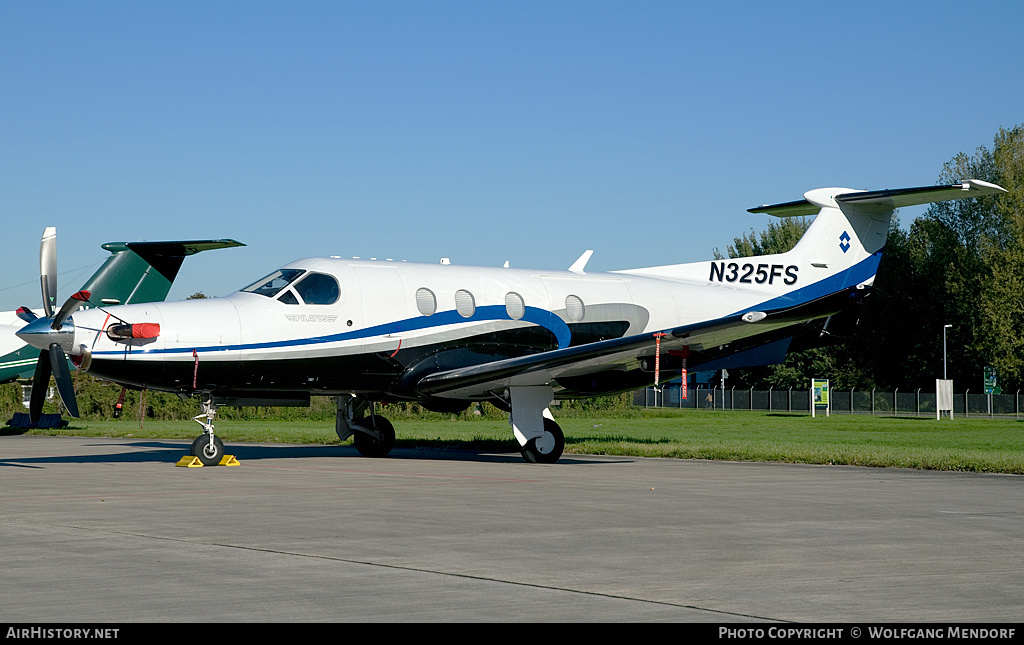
(209, 449)
(207, 446)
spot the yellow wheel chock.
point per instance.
(190, 461)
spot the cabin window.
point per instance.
(426, 302)
(465, 304)
(273, 283)
(514, 306)
(318, 289)
(574, 309)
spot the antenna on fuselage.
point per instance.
(581, 262)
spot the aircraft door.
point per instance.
(383, 304)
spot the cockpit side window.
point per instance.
(288, 298)
(273, 283)
(318, 289)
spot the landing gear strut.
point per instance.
(208, 447)
(540, 438)
(373, 436)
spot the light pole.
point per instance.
(944, 328)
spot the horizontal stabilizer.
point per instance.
(893, 198)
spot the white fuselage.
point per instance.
(397, 311)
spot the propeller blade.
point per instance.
(62, 375)
(48, 269)
(26, 314)
(40, 382)
(70, 306)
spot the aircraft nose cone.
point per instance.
(40, 335)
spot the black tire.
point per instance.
(201, 449)
(369, 446)
(552, 450)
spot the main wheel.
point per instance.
(209, 455)
(370, 446)
(547, 448)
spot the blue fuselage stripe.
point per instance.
(851, 277)
(540, 317)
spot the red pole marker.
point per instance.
(683, 390)
(657, 356)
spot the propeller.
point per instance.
(53, 334)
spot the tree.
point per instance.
(961, 263)
(1001, 302)
(779, 238)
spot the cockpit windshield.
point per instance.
(273, 283)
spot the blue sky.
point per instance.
(482, 131)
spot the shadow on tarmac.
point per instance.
(169, 452)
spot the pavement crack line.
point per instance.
(450, 574)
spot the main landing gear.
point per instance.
(548, 447)
(540, 438)
(373, 436)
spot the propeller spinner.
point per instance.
(54, 335)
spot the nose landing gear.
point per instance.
(208, 447)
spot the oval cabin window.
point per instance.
(574, 309)
(426, 303)
(464, 303)
(514, 305)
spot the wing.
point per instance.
(727, 336)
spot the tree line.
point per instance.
(960, 264)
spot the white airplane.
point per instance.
(445, 336)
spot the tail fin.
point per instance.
(840, 250)
(847, 236)
(144, 271)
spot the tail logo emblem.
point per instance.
(844, 241)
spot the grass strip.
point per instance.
(972, 445)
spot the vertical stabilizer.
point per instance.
(139, 272)
(849, 233)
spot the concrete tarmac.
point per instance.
(109, 530)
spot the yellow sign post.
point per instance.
(819, 396)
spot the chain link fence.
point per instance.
(898, 403)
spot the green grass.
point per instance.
(975, 445)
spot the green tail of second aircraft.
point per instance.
(135, 272)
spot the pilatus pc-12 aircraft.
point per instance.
(133, 272)
(445, 336)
